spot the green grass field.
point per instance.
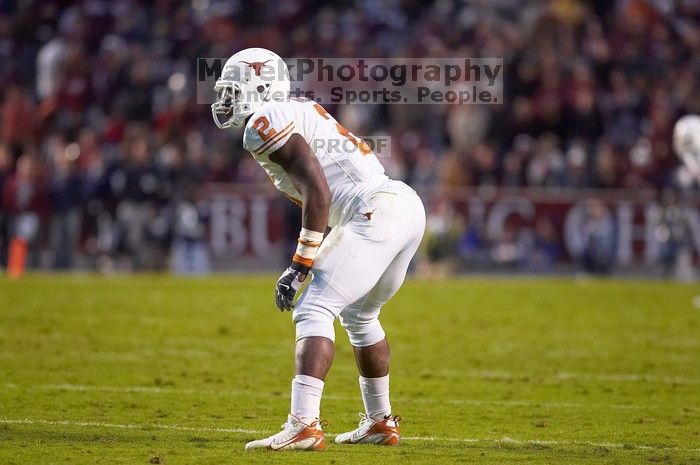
(151, 369)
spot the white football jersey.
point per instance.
(352, 170)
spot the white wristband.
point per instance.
(309, 242)
(311, 236)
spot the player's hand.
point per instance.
(288, 285)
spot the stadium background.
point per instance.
(107, 162)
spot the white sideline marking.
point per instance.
(145, 389)
(421, 400)
(546, 442)
(166, 390)
(99, 424)
(526, 403)
(608, 377)
(505, 440)
(630, 377)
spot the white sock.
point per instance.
(306, 398)
(375, 395)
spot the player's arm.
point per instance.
(306, 174)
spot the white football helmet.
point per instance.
(686, 143)
(249, 78)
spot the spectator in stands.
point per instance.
(511, 249)
(5, 168)
(546, 167)
(66, 195)
(189, 254)
(546, 248)
(18, 117)
(672, 234)
(26, 203)
(599, 238)
(443, 230)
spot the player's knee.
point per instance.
(361, 332)
(310, 324)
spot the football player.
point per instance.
(376, 225)
(686, 143)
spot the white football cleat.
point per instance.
(295, 435)
(370, 431)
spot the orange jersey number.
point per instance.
(262, 125)
(356, 141)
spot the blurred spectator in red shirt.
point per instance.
(25, 200)
(17, 119)
(26, 190)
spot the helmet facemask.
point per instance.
(229, 104)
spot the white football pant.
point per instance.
(360, 266)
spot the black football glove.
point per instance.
(288, 285)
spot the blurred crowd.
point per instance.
(104, 148)
(457, 243)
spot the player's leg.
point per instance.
(313, 359)
(373, 361)
(377, 424)
(371, 347)
(361, 320)
(302, 431)
(314, 353)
